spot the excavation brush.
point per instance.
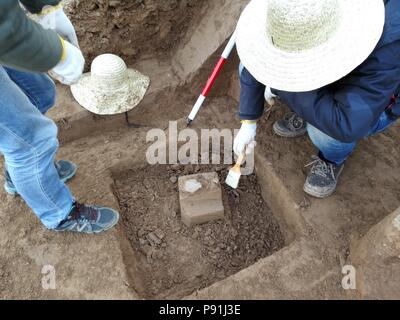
(235, 173)
(210, 83)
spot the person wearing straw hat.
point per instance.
(28, 139)
(335, 63)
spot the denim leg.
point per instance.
(338, 152)
(28, 141)
(38, 87)
(384, 123)
(330, 149)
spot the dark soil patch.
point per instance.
(132, 29)
(190, 259)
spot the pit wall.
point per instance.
(171, 62)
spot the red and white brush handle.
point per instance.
(224, 57)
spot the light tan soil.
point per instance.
(317, 234)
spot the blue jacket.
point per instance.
(348, 109)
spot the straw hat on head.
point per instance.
(303, 45)
(110, 88)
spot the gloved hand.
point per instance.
(269, 96)
(69, 70)
(54, 18)
(245, 140)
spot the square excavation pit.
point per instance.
(172, 261)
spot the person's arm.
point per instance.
(251, 108)
(36, 6)
(252, 98)
(347, 110)
(24, 44)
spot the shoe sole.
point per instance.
(14, 193)
(285, 134)
(314, 194)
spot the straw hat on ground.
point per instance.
(110, 88)
(303, 45)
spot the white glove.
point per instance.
(54, 18)
(269, 96)
(245, 140)
(70, 68)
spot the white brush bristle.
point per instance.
(233, 179)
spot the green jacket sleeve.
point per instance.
(36, 6)
(24, 44)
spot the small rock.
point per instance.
(141, 233)
(175, 167)
(305, 204)
(192, 186)
(177, 229)
(196, 234)
(114, 3)
(153, 239)
(173, 179)
(130, 51)
(235, 193)
(145, 249)
(150, 255)
(160, 234)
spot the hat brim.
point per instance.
(102, 102)
(362, 23)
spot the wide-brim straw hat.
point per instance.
(303, 45)
(110, 88)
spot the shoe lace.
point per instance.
(322, 168)
(84, 213)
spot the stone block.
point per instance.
(200, 198)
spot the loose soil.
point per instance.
(188, 259)
(132, 29)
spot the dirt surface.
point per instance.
(188, 259)
(121, 263)
(309, 268)
(368, 189)
(132, 29)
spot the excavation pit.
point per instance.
(172, 260)
(200, 198)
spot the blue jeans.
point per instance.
(28, 141)
(338, 152)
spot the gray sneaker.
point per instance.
(89, 219)
(66, 171)
(323, 178)
(291, 126)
